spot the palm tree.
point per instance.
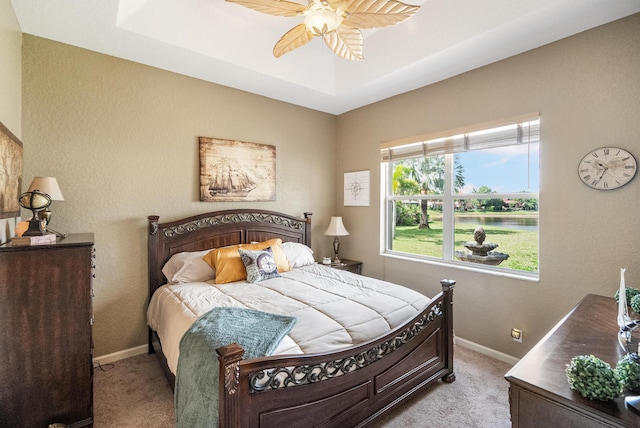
(424, 176)
(402, 182)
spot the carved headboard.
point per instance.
(218, 229)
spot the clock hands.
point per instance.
(604, 169)
(600, 164)
(602, 175)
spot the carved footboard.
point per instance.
(347, 389)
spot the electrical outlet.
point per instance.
(516, 334)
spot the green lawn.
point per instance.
(522, 246)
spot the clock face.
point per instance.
(266, 263)
(607, 168)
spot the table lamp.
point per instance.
(335, 229)
(48, 185)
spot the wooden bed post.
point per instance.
(229, 379)
(447, 289)
(307, 229)
(152, 263)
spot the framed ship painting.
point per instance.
(234, 171)
(10, 173)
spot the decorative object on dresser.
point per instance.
(35, 201)
(539, 393)
(349, 265)
(45, 339)
(38, 198)
(336, 228)
(346, 386)
(50, 186)
(629, 344)
(47, 238)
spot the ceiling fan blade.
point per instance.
(345, 42)
(273, 7)
(377, 13)
(294, 38)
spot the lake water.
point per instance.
(515, 222)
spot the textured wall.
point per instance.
(122, 139)
(586, 89)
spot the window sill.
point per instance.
(523, 276)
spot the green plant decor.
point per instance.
(593, 378)
(628, 371)
(635, 303)
(630, 293)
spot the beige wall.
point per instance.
(587, 90)
(121, 138)
(10, 86)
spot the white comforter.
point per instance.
(334, 309)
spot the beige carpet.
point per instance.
(134, 393)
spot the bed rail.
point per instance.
(346, 388)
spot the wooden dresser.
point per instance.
(46, 372)
(539, 392)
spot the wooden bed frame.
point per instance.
(349, 388)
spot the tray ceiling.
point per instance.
(227, 44)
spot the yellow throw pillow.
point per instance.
(229, 267)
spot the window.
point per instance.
(439, 190)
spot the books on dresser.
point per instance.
(49, 238)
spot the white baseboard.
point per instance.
(121, 355)
(486, 351)
(143, 349)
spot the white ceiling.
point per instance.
(231, 45)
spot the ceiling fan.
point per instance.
(338, 22)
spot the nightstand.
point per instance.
(350, 265)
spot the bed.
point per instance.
(346, 386)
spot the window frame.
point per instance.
(448, 198)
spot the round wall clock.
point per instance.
(607, 168)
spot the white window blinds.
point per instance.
(520, 130)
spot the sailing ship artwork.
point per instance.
(233, 171)
(11, 170)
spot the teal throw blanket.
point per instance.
(196, 388)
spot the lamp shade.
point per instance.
(336, 228)
(48, 185)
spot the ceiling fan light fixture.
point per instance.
(338, 22)
(321, 20)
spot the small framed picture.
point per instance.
(356, 189)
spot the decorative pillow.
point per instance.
(228, 265)
(297, 254)
(188, 266)
(259, 264)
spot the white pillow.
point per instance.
(297, 254)
(188, 267)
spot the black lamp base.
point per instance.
(35, 228)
